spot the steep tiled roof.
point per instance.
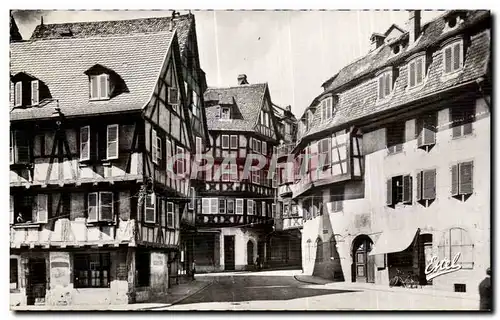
(358, 99)
(61, 64)
(182, 25)
(248, 98)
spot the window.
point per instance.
(324, 152)
(169, 156)
(199, 146)
(13, 274)
(99, 87)
(112, 142)
(222, 206)
(264, 148)
(42, 212)
(230, 206)
(170, 215)
(143, 268)
(205, 206)
(395, 135)
(18, 94)
(225, 113)
(19, 147)
(100, 206)
(462, 179)
(416, 72)
(399, 189)
(91, 270)
(234, 172)
(426, 185)
(173, 98)
(453, 57)
(426, 127)
(462, 117)
(85, 143)
(193, 198)
(214, 205)
(195, 104)
(181, 161)
(256, 177)
(250, 207)
(326, 108)
(34, 93)
(234, 142)
(457, 241)
(150, 208)
(155, 147)
(225, 141)
(273, 210)
(264, 211)
(239, 206)
(384, 85)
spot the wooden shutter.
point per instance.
(42, 213)
(419, 71)
(412, 74)
(34, 92)
(222, 206)
(419, 126)
(239, 206)
(249, 207)
(112, 142)
(389, 199)
(205, 203)
(169, 156)
(103, 86)
(419, 186)
(181, 161)
(465, 178)
(429, 129)
(429, 184)
(11, 203)
(264, 148)
(454, 180)
(407, 189)
(234, 142)
(456, 57)
(214, 205)
(153, 144)
(447, 60)
(225, 141)
(18, 94)
(381, 87)
(170, 215)
(92, 206)
(106, 206)
(388, 84)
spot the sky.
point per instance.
(295, 52)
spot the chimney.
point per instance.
(288, 108)
(413, 25)
(172, 24)
(242, 79)
(377, 40)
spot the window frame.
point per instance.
(451, 46)
(226, 136)
(100, 95)
(18, 93)
(250, 207)
(152, 207)
(82, 158)
(35, 93)
(228, 201)
(383, 89)
(86, 257)
(173, 104)
(414, 62)
(101, 193)
(117, 141)
(98, 206)
(46, 209)
(192, 201)
(182, 160)
(170, 213)
(242, 206)
(222, 113)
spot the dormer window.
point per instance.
(99, 87)
(225, 113)
(384, 85)
(28, 90)
(453, 19)
(453, 56)
(416, 71)
(326, 109)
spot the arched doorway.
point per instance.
(363, 264)
(250, 250)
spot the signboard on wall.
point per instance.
(59, 269)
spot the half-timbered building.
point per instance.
(235, 213)
(98, 112)
(404, 133)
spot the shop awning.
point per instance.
(394, 241)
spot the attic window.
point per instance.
(396, 49)
(454, 19)
(225, 113)
(99, 87)
(453, 56)
(384, 85)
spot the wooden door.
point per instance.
(37, 281)
(229, 253)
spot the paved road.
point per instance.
(280, 291)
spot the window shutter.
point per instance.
(22, 154)
(419, 72)
(234, 142)
(419, 131)
(388, 84)
(429, 129)
(264, 148)
(34, 92)
(106, 206)
(170, 215)
(389, 199)
(467, 128)
(159, 150)
(42, 208)
(205, 203)
(173, 96)
(419, 186)
(222, 206)
(407, 188)
(381, 87)
(198, 146)
(104, 86)
(249, 207)
(153, 143)
(454, 180)
(465, 179)
(239, 206)
(18, 94)
(92, 206)
(429, 184)
(181, 161)
(447, 60)
(112, 142)
(169, 156)
(456, 57)
(85, 143)
(412, 74)
(11, 202)
(225, 141)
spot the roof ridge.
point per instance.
(93, 37)
(237, 86)
(115, 20)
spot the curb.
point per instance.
(208, 284)
(308, 282)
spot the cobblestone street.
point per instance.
(279, 290)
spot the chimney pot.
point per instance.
(242, 79)
(413, 25)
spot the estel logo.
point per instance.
(437, 268)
